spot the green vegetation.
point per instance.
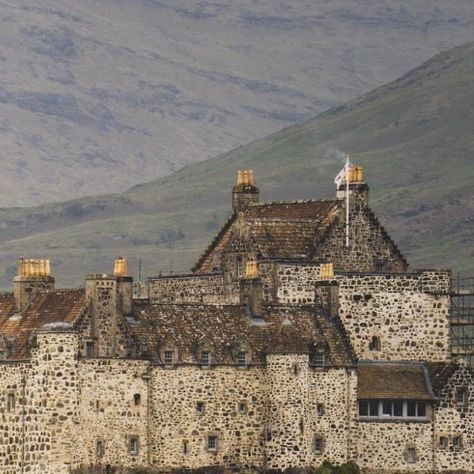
(413, 137)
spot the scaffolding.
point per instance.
(462, 318)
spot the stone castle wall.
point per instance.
(209, 289)
(370, 249)
(409, 322)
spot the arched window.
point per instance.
(375, 344)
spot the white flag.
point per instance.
(342, 174)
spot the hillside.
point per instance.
(99, 95)
(413, 137)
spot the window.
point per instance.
(375, 344)
(318, 445)
(392, 409)
(212, 443)
(461, 396)
(11, 402)
(443, 442)
(411, 455)
(242, 359)
(185, 447)
(169, 358)
(89, 349)
(320, 409)
(200, 408)
(99, 448)
(318, 360)
(242, 408)
(137, 399)
(133, 445)
(456, 442)
(205, 358)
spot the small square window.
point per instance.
(443, 442)
(456, 442)
(200, 408)
(242, 359)
(242, 408)
(212, 443)
(411, 455)
(99, 448)
(320, 409)
(133, 445)
(318, 445)
(169, 358)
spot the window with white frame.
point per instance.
(169, 358)
(133, 445)
(242, 359)
(318, 360)
(212, 443)
(411, 455)
(205, 358)
(443, 442)
(407, 409)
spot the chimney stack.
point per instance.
(358, 188)
(33, 277)
(251, 289)
(244, 192)
(124, 286)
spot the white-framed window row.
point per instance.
(394, 409)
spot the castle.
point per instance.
(284, 347)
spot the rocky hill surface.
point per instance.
(99, 95)
(413, 137)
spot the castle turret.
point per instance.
(244, 192)
(33, 277)
(358, 188)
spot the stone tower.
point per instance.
(244, 192)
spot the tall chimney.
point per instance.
(124, 286)
(251, 289)
(33, 277)
(244, 192)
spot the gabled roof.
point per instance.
(282, 329)
(276, 230)
(50, 307)
(392, 380)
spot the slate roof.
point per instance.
(389, 380)
(440, 373)
(283, 329)
(277, 230)
(50, 307)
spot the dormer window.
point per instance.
(205, 359)
(169, 358)
(242, 359)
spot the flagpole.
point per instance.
(347, 200)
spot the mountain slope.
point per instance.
(98, 95)
(413, 137)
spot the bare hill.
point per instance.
(98, 95)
